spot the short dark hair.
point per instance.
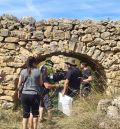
(49, 62)
(84, 63)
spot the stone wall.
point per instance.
(98, 41)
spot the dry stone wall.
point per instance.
(98, 40)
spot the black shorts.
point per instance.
(46, 102)
(30, 103)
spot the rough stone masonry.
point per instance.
(98, 40)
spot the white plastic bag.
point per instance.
(65, 104)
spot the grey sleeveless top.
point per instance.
(31, 85)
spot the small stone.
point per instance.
(38, 35)
(112, 112)
(87, 38)
(12, 39)
(58, 35)
(105, 35)
(7, 98)
(22, 43)
(1, 39)
(28, 20)
(4, 32)
(103, 105)
(96, 54)
(7, 105)
(10, 46)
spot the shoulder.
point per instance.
(23, 72)
(43, 68)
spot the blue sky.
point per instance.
(80, 9)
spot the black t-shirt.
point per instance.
(44, 73)
(44, 78)
(72, 75)
(86, 73)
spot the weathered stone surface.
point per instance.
(1, 38)
(118, 44)
(91, 51)
(10, 46)
(4, 32)
(12, 40)
(97, 41)
(65, 26)
(87, 38)
(25, 52)
(58, 35)
(1, 91)
(9, 92)
(105, 35)
(38, 35)
(67, 35)
(7, 98)
(28, 20)
(72, 45)
(48, 33)
(112, 112)
(9, 17)
(7, 105)
(103, 105)
(96, 54)
(22, 43)
(19, 34)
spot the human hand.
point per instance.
(63, 93)
(57, 84)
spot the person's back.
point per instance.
(30, 81)
(31, 84)
(74, 82)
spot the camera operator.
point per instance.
(48, 83)
(86, 79)
(72, 82)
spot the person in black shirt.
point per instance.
(86, 79)
(47, 71)
(72, 82)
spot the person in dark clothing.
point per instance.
(30, 100)
(72, 82)
(86, 79)
(48, 83)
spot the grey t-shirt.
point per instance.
(31, 85)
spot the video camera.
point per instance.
(59, 75)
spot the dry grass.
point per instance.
(84, 116)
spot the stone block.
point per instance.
(12, 40)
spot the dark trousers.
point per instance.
(30, 103)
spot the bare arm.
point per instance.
(88, 79)
(19, 84)
(65, 87)
(49, 86)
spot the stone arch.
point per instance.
(95, 41)
(96, 67)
